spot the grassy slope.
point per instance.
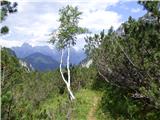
(83, 108)
(86, 103)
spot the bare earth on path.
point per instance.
(92, 112)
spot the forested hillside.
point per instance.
(119, 79)
(41, 62)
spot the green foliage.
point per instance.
(118, 104)
(151, 6)
(42, 95)
(22, 91)
(6, 8)
(85, 101)
(11, 76)
(60, 108)
(130, 61)
(83, 77)
(4, 30)
(68, 29)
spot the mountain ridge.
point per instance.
(41, 62)
(26, 49)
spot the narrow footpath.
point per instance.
(92, 112)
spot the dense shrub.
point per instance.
(128, 59)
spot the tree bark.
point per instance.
(60, 67)
(67, 83)
(68, 70)
(69, 75)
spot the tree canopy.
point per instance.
(6, 9)
(66, 34)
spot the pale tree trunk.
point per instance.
(60, 67)
(68, 70)
(67, 83)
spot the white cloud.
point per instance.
(135, 10)
(101, 19)
(10, 43)
(35, 19)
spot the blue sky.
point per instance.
(36, 19)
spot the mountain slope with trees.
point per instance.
(41, 62)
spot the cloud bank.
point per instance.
(36, 19)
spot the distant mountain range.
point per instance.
(41, 62)
(43, 58)
(26, 50)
